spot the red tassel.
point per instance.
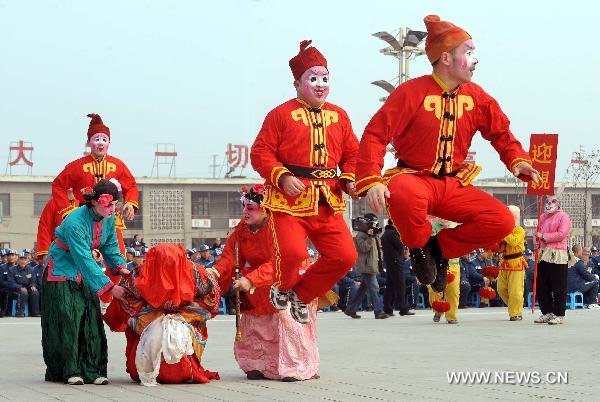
(304, 44)
(440, 306)
(487, 292)
(450, 277)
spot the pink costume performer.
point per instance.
(273, 345)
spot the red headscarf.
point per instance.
(167, 276)
(306, 58)
(442, 36)
(96, 126)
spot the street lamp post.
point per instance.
(404, 48)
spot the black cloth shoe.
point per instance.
(423, 264)
(381, 316)
(407, 312)
(390, 313)
(353, 315)
(441, 265)
(255, 375)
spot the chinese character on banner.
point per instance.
(470, 157)
(21, 147)
(543, 151)
(237, 155)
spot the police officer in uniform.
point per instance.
(204, 259)
(10, 290)
(22, 275)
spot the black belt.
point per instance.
(314, 173)
(401, 164)
(512, 256)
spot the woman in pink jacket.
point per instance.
(551, 238)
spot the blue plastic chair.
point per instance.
(574, 300)
(14, 309)
(223, 306)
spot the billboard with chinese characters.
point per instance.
(543, 151)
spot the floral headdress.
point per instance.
(254, 193)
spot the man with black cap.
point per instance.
(431, 121)
(9, 290)
(298, 151)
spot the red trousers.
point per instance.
(332, 239)
(484, 221)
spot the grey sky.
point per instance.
(205, 73)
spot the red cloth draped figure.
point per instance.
(173, 299)
(431, 121)
(272, 344)
(298, 151)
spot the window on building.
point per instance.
(39, 202)
(235, 205)
(595, 206)
(5, 204)
(200, 204)
(137, 222)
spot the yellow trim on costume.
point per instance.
(439, 81)
(41, 252)
(368, 178)
(277, 282)
(347, 176)
(516, 161)
(276, 174)
(132, 203)
(367, 187)
(67, 210)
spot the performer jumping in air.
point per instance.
(73, 338)
(272, 344)
(298, 151)
(431, 121)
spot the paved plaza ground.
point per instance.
(398, 359)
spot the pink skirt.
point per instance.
(278, 346)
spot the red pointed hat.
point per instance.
(306, 58)
(442, 36)
(96, 126)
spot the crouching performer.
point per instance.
(272, 344)
(172, 299)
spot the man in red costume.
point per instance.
(431, 121)
(298, 151)
(90, 169)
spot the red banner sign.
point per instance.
(543, 151)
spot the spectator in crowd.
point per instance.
(580, 279)
(395, 287)
(204, 259)
(586, 257)
(22, 276)
(367, 265)
(217, 254)
(3, 257)
(465, 285)
(217, 244)
(476, 280)
(346, 288)
(137, 245)
(481, 260)
(595, 258)
(137, 262)
(551, 238)
(410, 279)
(129, 254)
(9, 290)
(528, 254)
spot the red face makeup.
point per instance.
(252, 213)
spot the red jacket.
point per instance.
(295, 134)
(255, 253)
(86, 172)
(431, 131)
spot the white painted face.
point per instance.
(99, 144)
(464, 61)
(104, 211)
(552, 204)
(313, 86)
(252, 213)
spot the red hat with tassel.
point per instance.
(306, 58)
(96, 126)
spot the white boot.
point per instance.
(75, 381)
(101, 381)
